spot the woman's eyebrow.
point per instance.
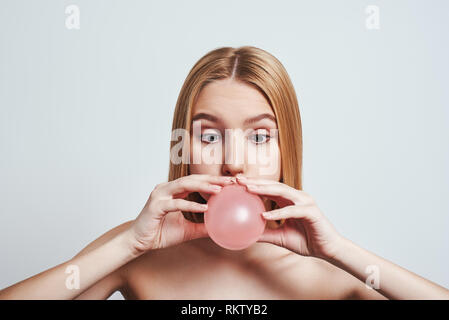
(248, 121)
(205, 116)
(260, 117)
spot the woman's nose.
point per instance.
(234, 153)
(232, 170)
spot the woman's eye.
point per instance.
(210, 137)
(259, 138)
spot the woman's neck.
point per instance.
(257, 251)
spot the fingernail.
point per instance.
(267, 214)
(215, 187)
(203, 206)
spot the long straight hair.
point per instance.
(263, 71)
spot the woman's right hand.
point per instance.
(161, 224)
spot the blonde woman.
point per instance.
(165, 253)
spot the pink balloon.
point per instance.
(234, 218)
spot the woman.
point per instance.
(165, 253)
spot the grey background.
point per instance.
(85, 117)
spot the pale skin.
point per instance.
(161, 255)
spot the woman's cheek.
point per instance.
(268, 162)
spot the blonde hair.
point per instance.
(263, 71)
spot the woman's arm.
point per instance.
(152, 229)
(393, 281)
(93, 265)
(307, 232)
(114, 281)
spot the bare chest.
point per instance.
(170, 276)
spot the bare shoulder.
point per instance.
(336, 283)
(114, 281)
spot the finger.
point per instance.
(245, 180)
(222, 180)
(274, 236)
(189, 184)
(276, 192)
(295, 211)
(171, 205)
(303, 196)
(196, 230)
(210, 178)
(270, 236)
(278, 238)
(181, 195)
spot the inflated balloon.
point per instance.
(234, 218)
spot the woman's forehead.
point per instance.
(231, 100)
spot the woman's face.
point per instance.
(247, 148)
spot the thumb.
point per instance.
(270, 236)
(197, 230)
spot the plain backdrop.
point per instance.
(86, 115)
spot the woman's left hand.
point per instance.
(306, 230)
